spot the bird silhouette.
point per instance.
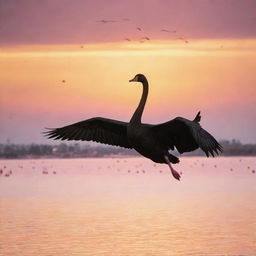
(183, 39)
(168, 31)
(105, 21)
(151, 141)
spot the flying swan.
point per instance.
(151, 141)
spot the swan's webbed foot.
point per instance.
(175, 174)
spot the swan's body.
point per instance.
(151, 141)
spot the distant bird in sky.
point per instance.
(127, 39)
(168, 31)
(106, 21)
(63, 81)
(140, 29)
(183, 39)
(151, 141)
(146, 38)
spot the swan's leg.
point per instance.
(175, 174)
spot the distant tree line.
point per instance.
(230, 148)
(63, 150)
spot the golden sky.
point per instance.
(216, 76)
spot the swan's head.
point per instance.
(138, 78)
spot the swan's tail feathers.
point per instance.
(197, 118)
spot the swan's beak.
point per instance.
(135, 79)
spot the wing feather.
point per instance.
(98, 129)
(186, 136)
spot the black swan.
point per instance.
(151, 141)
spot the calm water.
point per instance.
(126, 207)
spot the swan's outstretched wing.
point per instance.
(186, 136)
(98, 129)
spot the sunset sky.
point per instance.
(45, 42)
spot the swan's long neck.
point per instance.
(136, 118)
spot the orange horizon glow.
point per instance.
(154, 47)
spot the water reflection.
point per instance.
(86, 208)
